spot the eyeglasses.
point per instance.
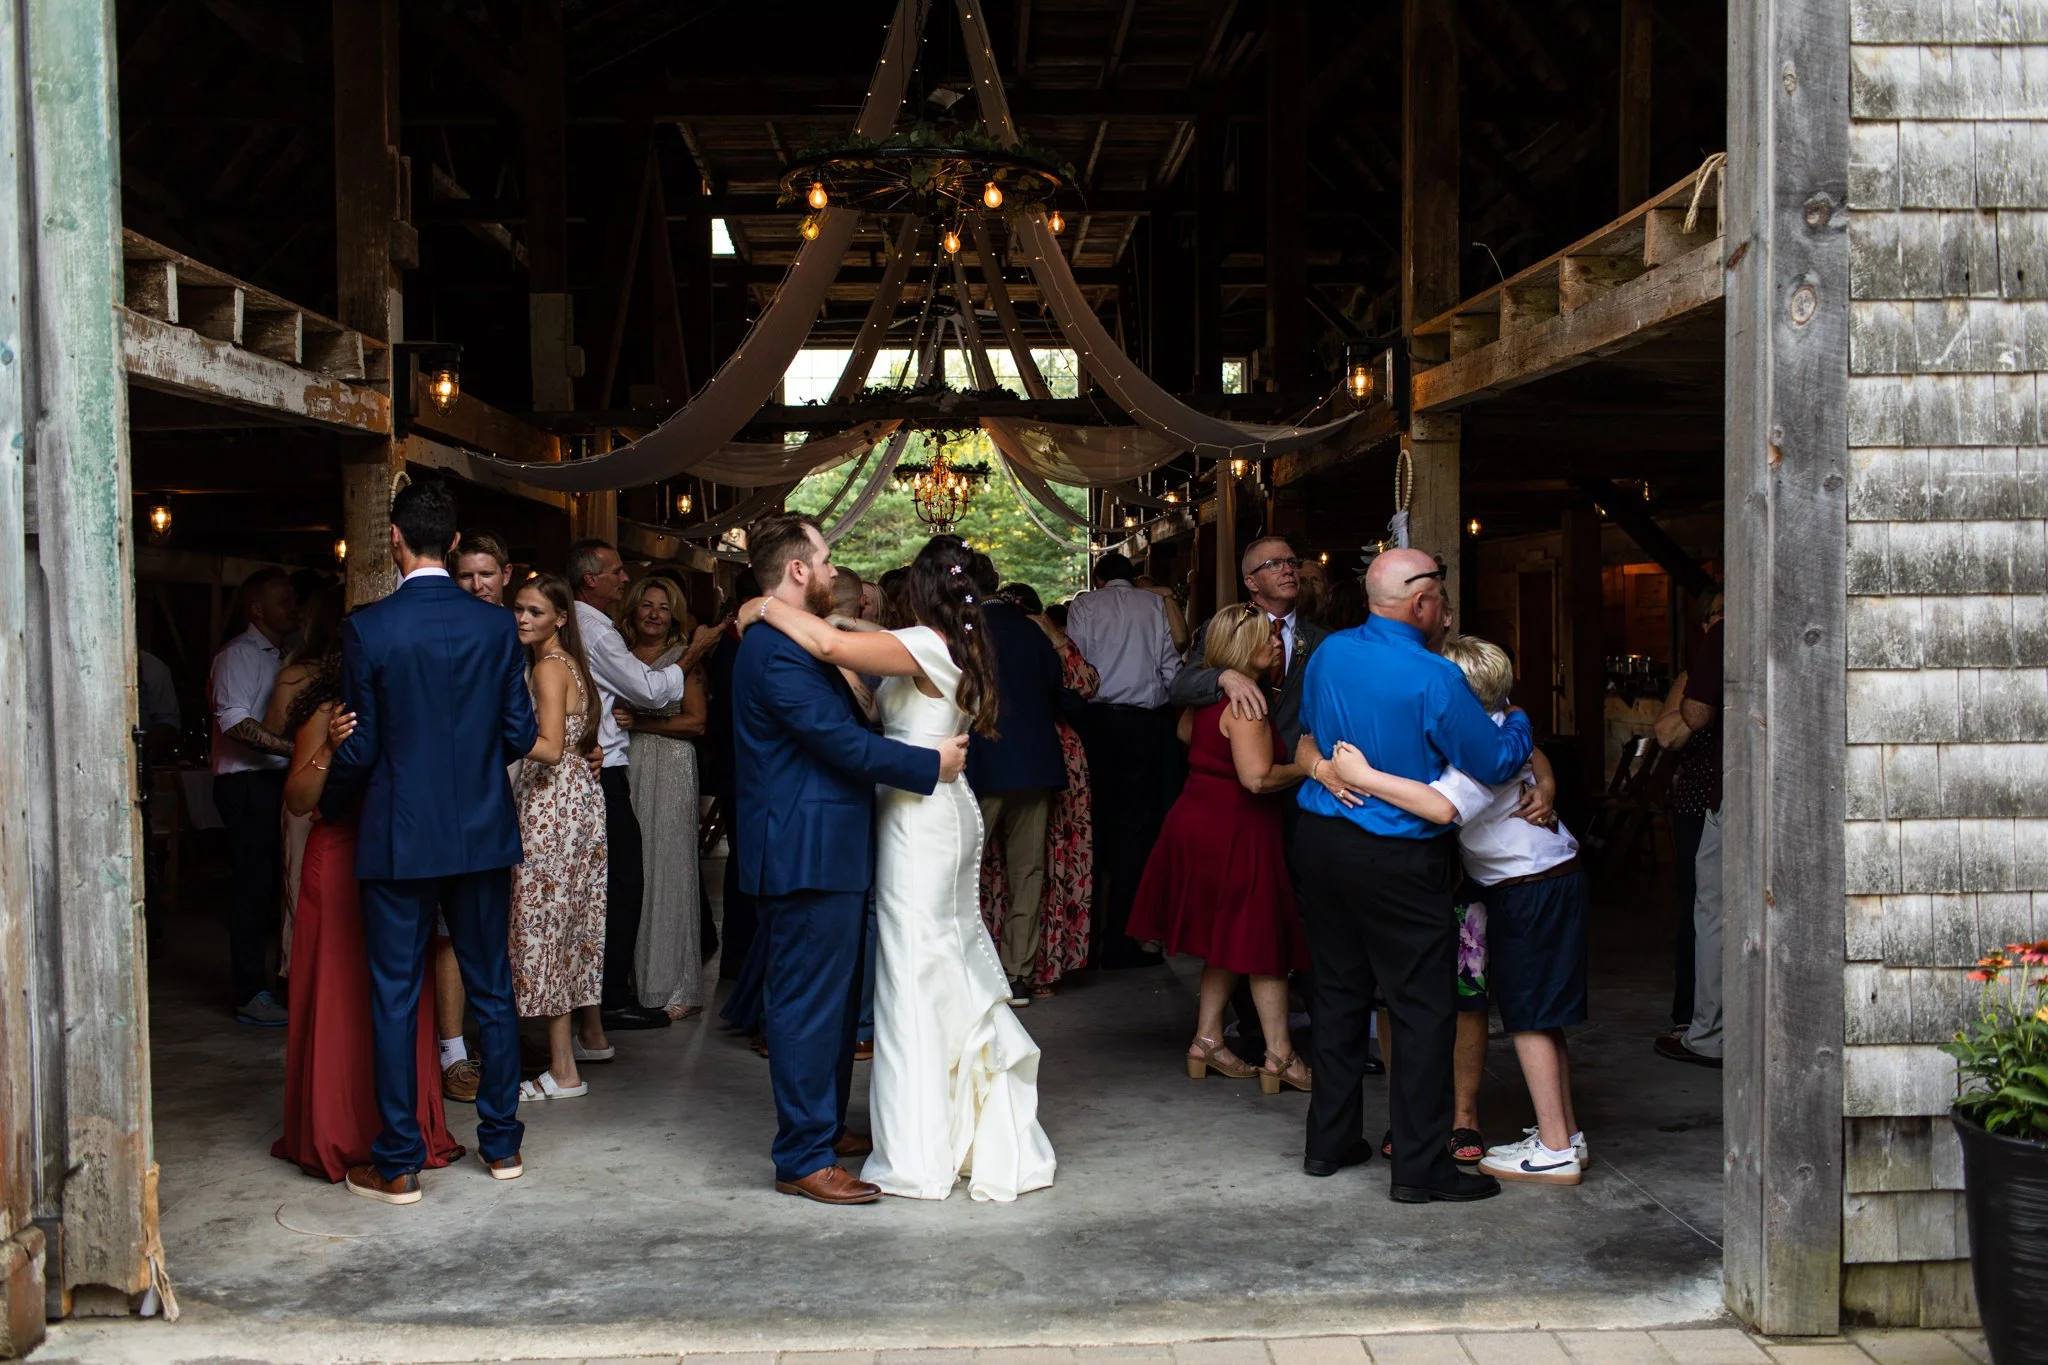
(1441, 575)
(1290, 562)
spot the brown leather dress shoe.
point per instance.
(398, 1189)
(852, 1143)
(831, 1185)
(459, 1080)
(505, 1167)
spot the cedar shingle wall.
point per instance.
(1947, 841)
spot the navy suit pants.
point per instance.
(398, 919)
(816, 940)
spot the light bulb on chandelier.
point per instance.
(992, 195)
(952, 242)
(817, 198)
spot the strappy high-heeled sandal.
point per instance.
(1290, 1071)
(1200, 1066)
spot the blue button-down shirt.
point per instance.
(1410, 713)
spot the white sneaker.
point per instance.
(1580, 1149)
(1526, 1160)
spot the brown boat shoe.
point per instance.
(505, 1167)
(459, 1080)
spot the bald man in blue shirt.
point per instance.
(1376, 881)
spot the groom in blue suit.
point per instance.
(437, 681)
(807, 768)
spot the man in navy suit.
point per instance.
(802, 835)
(437, 681)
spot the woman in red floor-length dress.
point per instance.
(330, 1100)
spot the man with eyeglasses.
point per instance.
(1272, 576)
(1377, 882)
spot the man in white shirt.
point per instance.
(599, 580)
(248, 783)
(1133, 757)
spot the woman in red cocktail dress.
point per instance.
(330, 1100)
(1216, 885)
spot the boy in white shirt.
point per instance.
(1535, 895)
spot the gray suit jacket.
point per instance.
(1197, 685)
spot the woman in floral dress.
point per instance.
(1069, 832)
(558, 892)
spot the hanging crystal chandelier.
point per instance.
(942, 488)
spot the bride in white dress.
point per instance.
(955, 1088)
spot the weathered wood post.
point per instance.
(1784, 726)
(85, 844)
(1430, 154)
(23, 1271)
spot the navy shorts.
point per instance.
(1536, 952)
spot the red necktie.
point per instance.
(1276, 672)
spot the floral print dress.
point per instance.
(558, 892)
(1069, 851)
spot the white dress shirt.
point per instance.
(1493, 842)
(424, 571)
(238, 687)
(621, 677)
(1121, 629)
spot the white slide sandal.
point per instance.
(545, 1087)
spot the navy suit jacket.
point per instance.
(437, 679)
(1029, 702)
(807, 769)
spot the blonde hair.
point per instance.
(629, 606)
(1234, 636)
(1485, 666)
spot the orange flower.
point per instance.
(1983, 976)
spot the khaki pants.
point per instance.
(1016, 821)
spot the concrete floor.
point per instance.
(1180, 1210)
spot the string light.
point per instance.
(1056, 223)
(1130, 521)
(952, 242)
(817, 197)
(992, 195)
(1472, 527)
(810, 229)
(160, 520)
(1237, 468)
(340, 550)
(1323, 558)
(684, 502)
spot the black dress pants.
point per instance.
(251, 805)
(1377, 911)
(624, 883)
(1686, 828)
(1134, 774)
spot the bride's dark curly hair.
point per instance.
(943, 594)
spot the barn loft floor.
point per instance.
(1180, 1210)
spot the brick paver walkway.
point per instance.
(1678, 1346)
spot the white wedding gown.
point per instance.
(955, 1088)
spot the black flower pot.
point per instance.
(2005, 1188)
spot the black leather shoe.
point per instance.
(1463, 1189)
(1360, 1153)
(1374, 1067)
(632, 1016)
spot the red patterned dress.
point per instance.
(1069, 851)
(558, 892)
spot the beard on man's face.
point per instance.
(818, 597)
